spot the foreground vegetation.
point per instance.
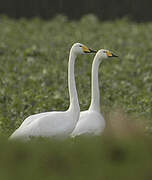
(33, 79)
(97, 158)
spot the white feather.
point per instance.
(55, 124)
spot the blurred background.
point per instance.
(105, 10)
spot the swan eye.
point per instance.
(104, 51)
(80, 45)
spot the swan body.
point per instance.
(91, 121)
(57, 124)
(49, 124)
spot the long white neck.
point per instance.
(74, 103)
(95, 92)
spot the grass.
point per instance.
(33, 79)
(33, 66)
(91, 158)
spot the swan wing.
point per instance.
(53, 124)
(90, 123)
(31, 118)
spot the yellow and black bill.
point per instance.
(88, 50)
(110, 54)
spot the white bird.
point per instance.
(91, 121)
(58, 124)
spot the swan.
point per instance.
(91, 121)
(58, 124)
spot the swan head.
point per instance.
(103, 54)
(79, 48)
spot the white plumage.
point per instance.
(91, 122)
(58, 123)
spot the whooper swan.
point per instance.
(57, 123)
(91, 122)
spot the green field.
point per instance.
(85, 159)
(33, 78)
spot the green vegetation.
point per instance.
(33, 79)
(33, 66)
(82, 159)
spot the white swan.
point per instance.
(91, 122)
(56, 123)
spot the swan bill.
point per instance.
(88, 50)
(92, 51)
(109, 54)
